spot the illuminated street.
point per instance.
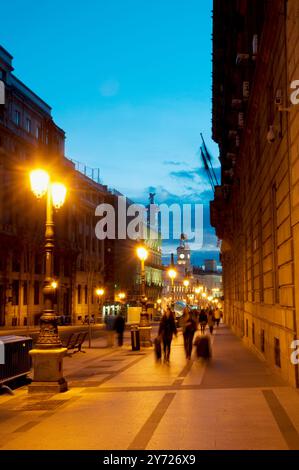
(124, 400)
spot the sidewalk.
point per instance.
(119, 399)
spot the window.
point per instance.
(37, 265)
(67, 268)
(261, 258)
(15, 292)
(263, 341)
(16, 262)
(274, 244)
(86, 294)
(17, 118)
(28, 125)
(2, 75)
(38, 132)
(277, 352)
(26, 262)
(56, 267)
(36, 292)
(25, 294)
(247, 328)
(253, 333)
(79, 294)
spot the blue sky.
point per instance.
(130, 83)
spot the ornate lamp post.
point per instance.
(47, 357)
(100, 292)
(144, 327)
(172, 274)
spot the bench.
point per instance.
(75, 342)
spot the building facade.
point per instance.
(29, 138)
(255, 210)
(123, 268)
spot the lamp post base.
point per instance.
(48, 371)
(145, 336)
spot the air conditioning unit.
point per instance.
(236, 103)
(229, 173)
(241, 57)
(246, 90)
(241, 120)
(232, 134)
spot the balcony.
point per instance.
(221, 212)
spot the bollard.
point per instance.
(135, 338)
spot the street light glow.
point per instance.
(100, 292)
(54, 284)
(186, 283)
(142, 253)
(39, 181)
(172, 273)
(58, 194)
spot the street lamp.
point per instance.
(100, 292)
(122, 296)
(144, 327)
(48, 354)
(172, 274)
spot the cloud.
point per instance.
(183, 174)
(173, 163)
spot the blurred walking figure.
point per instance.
(203, 320)
(203, 347)
(185, 317)
(217, 316)
(109, 321)
(119, 327)
(211, 321)
(188, 333)
(166, 331)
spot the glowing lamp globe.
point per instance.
(39, 181)
(58, 194)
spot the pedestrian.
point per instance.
(211, 321)
(188, 334)
(119, 327)
(217, 316)
(203, 320)
(167, 329)
(109, 321)
(184, 317)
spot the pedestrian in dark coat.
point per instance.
(203, 320)
(188, 333)
(119, 327)
(167, 329)
(211, 321)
